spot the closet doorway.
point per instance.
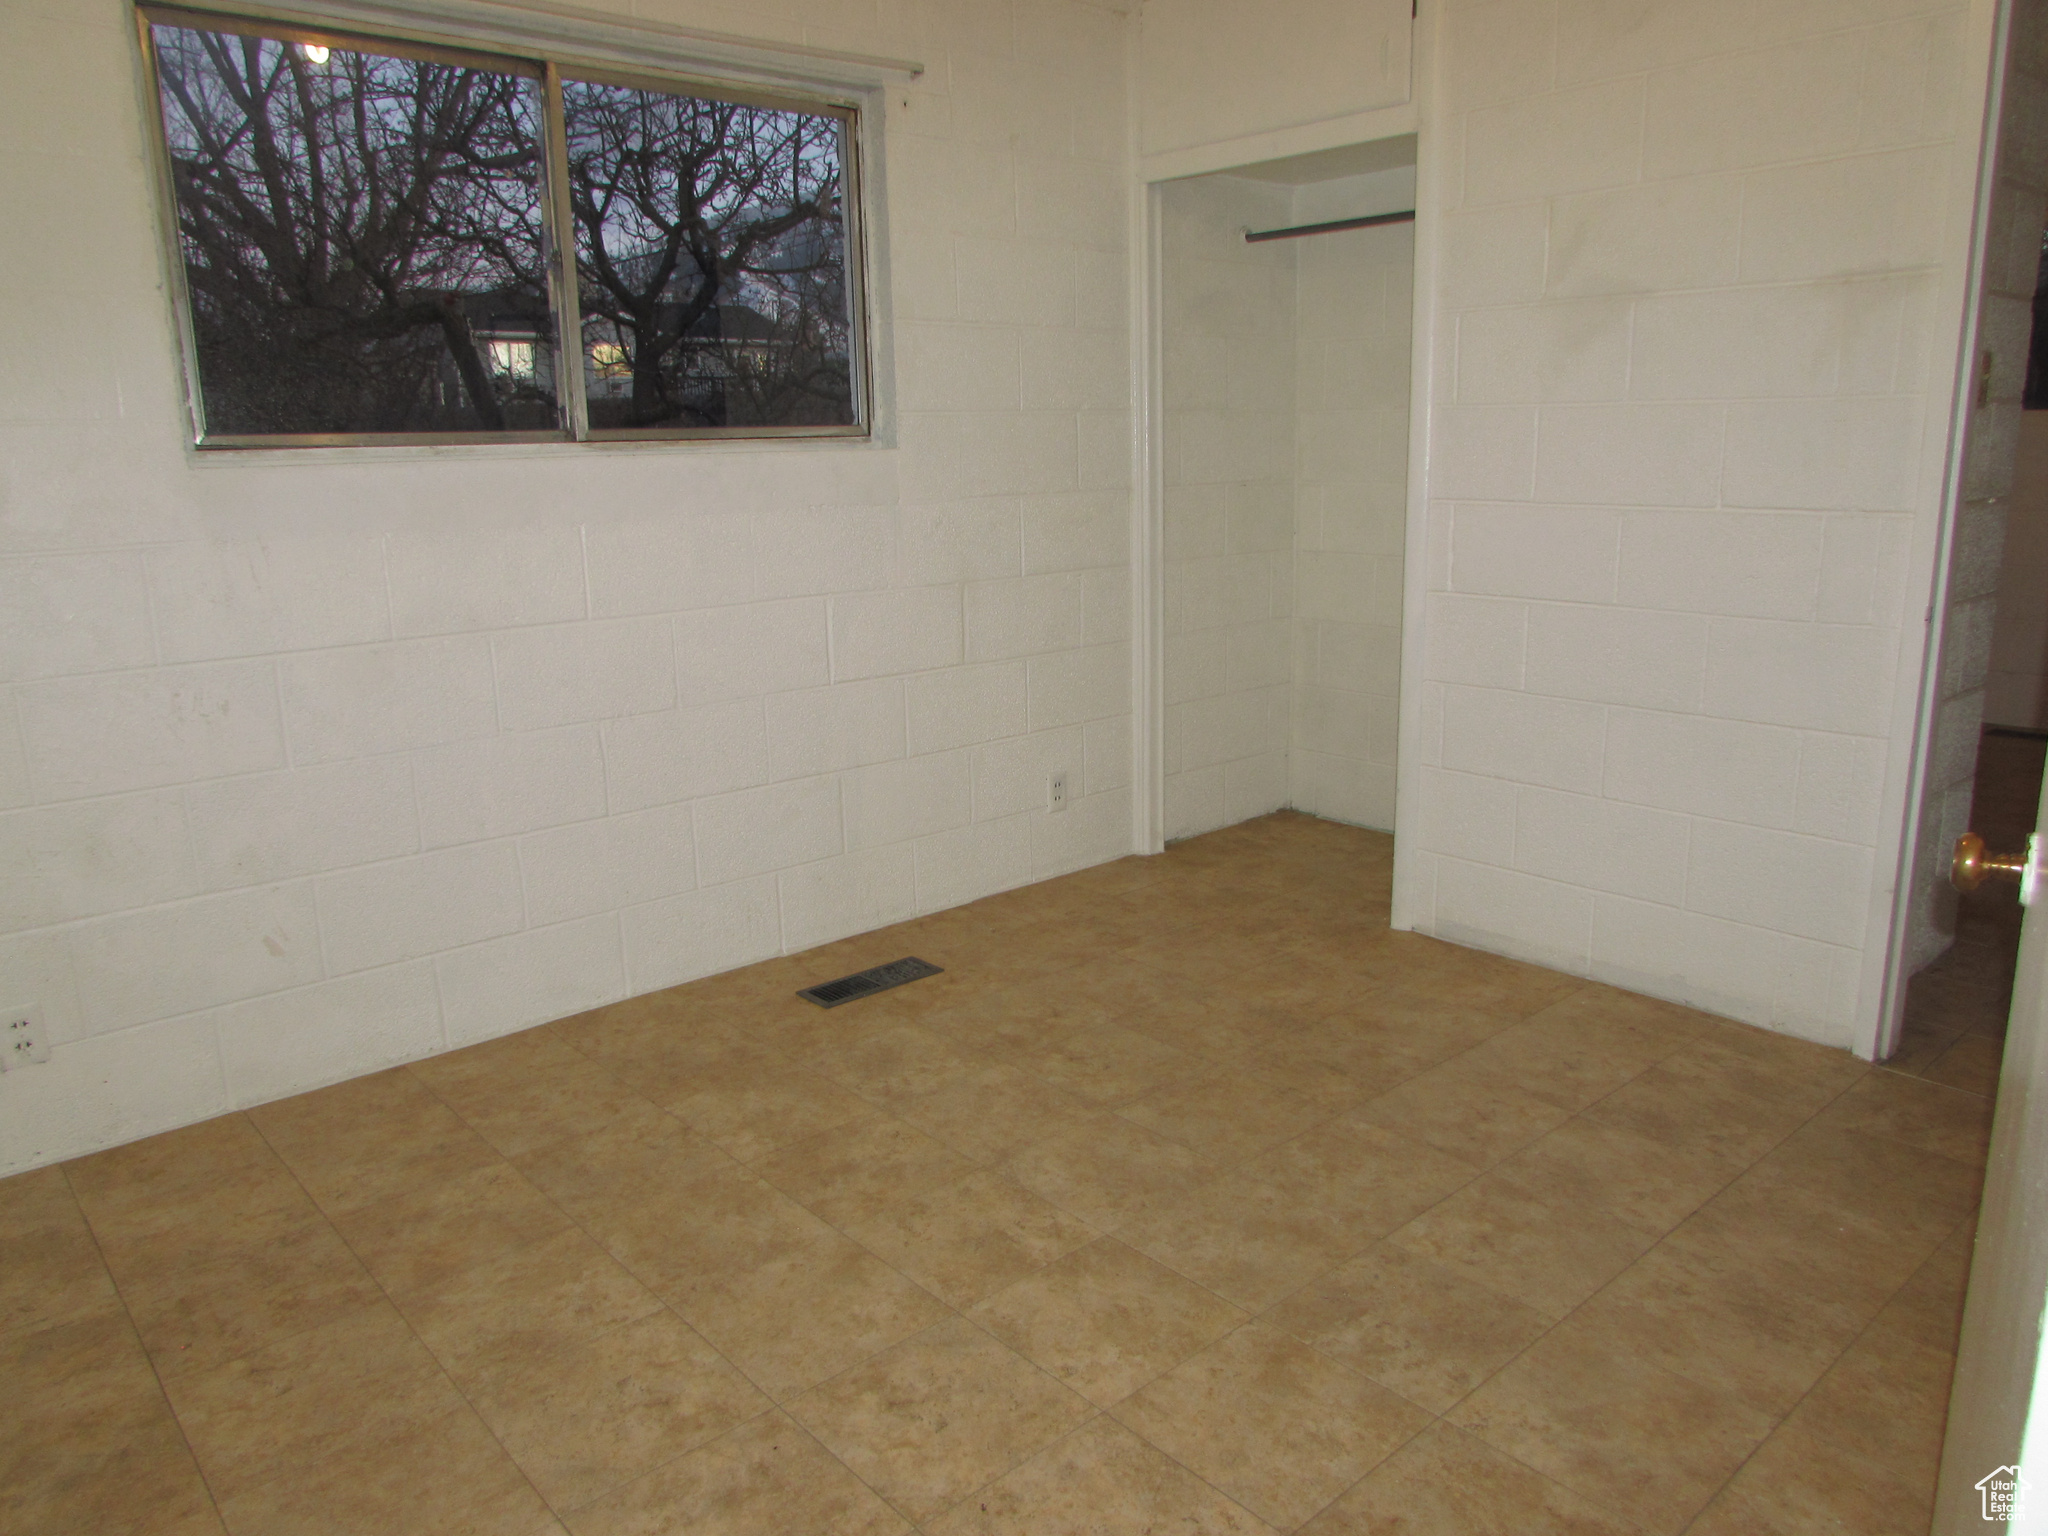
(1279, 386)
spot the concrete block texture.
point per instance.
(1684, 435)
(311, 764)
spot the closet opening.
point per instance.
(1283, 297)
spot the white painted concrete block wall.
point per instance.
(1220, 71)
(313, 763)
(1682, 303)
(1227, 313)
(1354, 302)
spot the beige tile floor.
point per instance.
(1190, 1198)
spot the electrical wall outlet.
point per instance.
(1056, 792)
(26, 1041)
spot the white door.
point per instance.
(1998, 1362)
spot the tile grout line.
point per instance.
(660, 1300)
(775, 1404)
(1261, 1315)
(1822, 1376)
(1778, 1420)
(384, 1291)
(1096, 1412)
(1435, 1421)
(1561, 1321)
(773, 1410)
(1435, 1417)
(1092, 1414)
(135, 1332)
(1478, 1174)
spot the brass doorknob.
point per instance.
(1973, 866)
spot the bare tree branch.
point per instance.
(688, 210)
(342, 223)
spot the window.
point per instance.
(382, 241)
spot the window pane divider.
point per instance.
(858, 279)
(559, 231)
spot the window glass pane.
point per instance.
(361, 236)
(710, 260)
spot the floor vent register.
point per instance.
(876, 978)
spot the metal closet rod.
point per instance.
(1295, 231)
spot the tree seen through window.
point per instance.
(364, 232)
(710, 260)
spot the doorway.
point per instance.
(1952, 1012)
(1280, 401)
(1956, 1008)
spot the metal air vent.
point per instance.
(876, 978)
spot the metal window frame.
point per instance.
(348, 39)
(548, 69)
